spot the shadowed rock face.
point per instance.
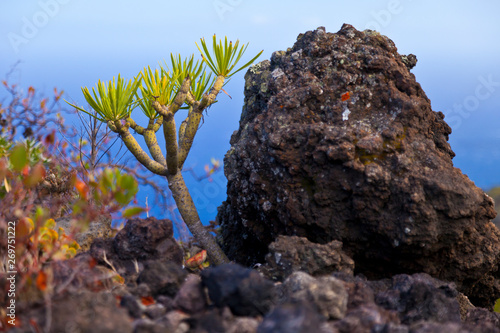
(139, 242)
(337, 141)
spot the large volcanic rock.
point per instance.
(337, 141)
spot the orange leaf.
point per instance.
(197, 260)
(24, 227)
(43, 102)
(36, 174)
(345, 96)
(31, 90)
(41, 281)
(118, 279)
(147, 300)
(26, 171)
(92, 262)
(82, 188)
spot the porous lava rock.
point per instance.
(409, 303)
(81, 312)
(139, 242)
(293, 317)
(163, 278)
(241, 289)
(337, 141)
(220, 320)
(327, 294)
(420, 297)
(289, 254)
(191, 296)
(147, 239)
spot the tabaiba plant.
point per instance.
(42, 241)
(39, 243)
(38, 239)
(111, 189)
(26, 158)
(160, 94)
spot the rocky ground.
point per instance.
(158, 295)
(344, 214)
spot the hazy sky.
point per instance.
(73, 43)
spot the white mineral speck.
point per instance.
(345, 114)
(277, 257)
(296, 55)
(277, 73)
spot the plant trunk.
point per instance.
(190, 216)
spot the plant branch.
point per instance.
(191, 127)
(170, 143)
(209, 99)
(154, 147)
(180, 98)
(137, 151)
(190, 215)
